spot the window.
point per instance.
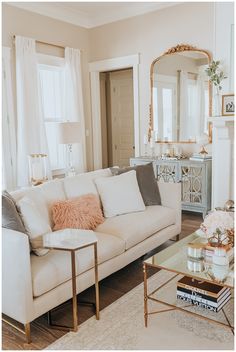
(52, 89)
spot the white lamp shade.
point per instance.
(68, 132)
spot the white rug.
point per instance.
(121, 326)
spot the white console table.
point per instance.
(195, 177)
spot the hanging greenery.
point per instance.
(215, 74)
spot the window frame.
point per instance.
(52, 62)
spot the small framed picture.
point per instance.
(228, 105)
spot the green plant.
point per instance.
(215, 73)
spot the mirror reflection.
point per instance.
(180, 96)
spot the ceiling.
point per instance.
(91, 14)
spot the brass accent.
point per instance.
(179, 48)
(171, 306)
(27, 333)
(25, 330)
(96, 279)
(74, 295)
(74, 299)
(173, 50)
(145, 294)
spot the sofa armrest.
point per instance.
(171, 197)
(17, 293)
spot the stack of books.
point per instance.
(200, 157)
(203, 294)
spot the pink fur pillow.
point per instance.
(78, 213)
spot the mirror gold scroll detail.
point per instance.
(181, 95)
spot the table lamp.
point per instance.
(69, 134)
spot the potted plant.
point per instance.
(218, 227)
(216, 76)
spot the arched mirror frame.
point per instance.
(176, 49)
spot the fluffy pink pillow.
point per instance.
(78, 213)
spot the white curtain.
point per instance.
(183, 108)
(8, 124)
(74, 108)
(31, 135)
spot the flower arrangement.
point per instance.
(215, 74)
(218, 226)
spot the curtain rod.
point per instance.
(45, 43)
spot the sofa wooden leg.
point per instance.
(177, 237)
(27, 333)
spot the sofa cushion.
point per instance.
(34, 214)
(79, 185)
(120, 194)
(55, 268)
(136, 227)
(146, 180)
(78, 213)
(11, 217)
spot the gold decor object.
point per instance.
(159, 72)
(179, 48)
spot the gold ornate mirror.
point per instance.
(181, 95)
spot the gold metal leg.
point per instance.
(145, 294)
(96, 280)
(74, 299)
(27, 333)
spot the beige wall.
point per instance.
(150, 35)
(16, 21)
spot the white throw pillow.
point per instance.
(120, 194)
(36, 223)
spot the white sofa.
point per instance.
(33, 285)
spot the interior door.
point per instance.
(122, 117)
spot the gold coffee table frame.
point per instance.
(152, 262)
(73, 278)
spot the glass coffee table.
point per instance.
(174, 261)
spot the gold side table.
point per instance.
(72, 240)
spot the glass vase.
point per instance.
(217, 100)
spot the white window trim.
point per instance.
(52, 62)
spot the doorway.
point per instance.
(117, 117)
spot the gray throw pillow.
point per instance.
(146, 180)
(11, 218)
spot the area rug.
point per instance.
(121, 325)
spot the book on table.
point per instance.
(204, 294)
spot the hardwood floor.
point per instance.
(111, 288)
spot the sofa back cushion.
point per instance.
(120, 194)
(82, 184)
